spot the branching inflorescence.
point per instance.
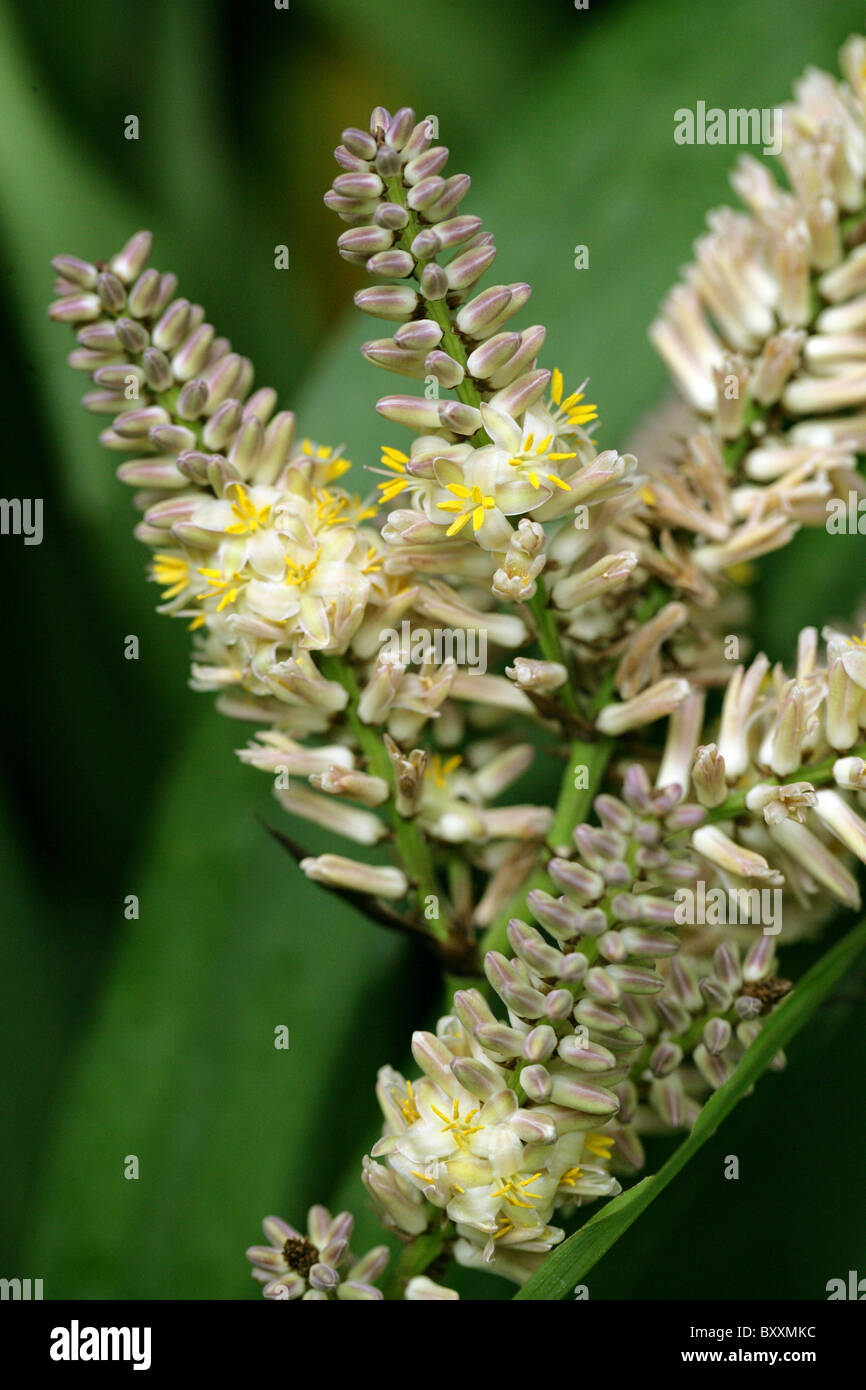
(508, 587)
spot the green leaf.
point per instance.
(32, 1032)
(575, 1257)
(180, 1067)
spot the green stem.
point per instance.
(412, 846)
(437, 309)
(734, 450)
(571, 808)
(416, 1257)
(549, 639)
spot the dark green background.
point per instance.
(155, 1037)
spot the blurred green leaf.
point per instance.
(31, 1031)
(180, 1069)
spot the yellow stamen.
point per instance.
(598, 1144)
(171, 570)
(570, 1177)
(373, 562)
(470, 502)
(519, 1192)
(583, 414)
(228, 588)
(439, 769)
(391, 489)
(408, 1107)
(460, 1129)
(299, 575)
(743, 572)
(249, 517)
(394, 458)
(336, 469)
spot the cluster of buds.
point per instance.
(792, 747)
(277, 568)
(504, 466)
(765, 336)
(501, 484)
(317, 1265)
(357, 640)
(630, 1001)
(255, 545)
(459, 1147)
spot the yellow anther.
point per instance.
(249, 517)
(440, 768)
(598, 1144)
(408, 1107)
(394, 458)
(570, 1177)
(227, 588)
(336, 469)
(743, 572)
(171, 571)
(329, 508)
(373, 561)
(519, 1192)
(299, 575)
(570, 408)
(461, 1129)
(467, 502)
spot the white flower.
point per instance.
(459, 1138)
